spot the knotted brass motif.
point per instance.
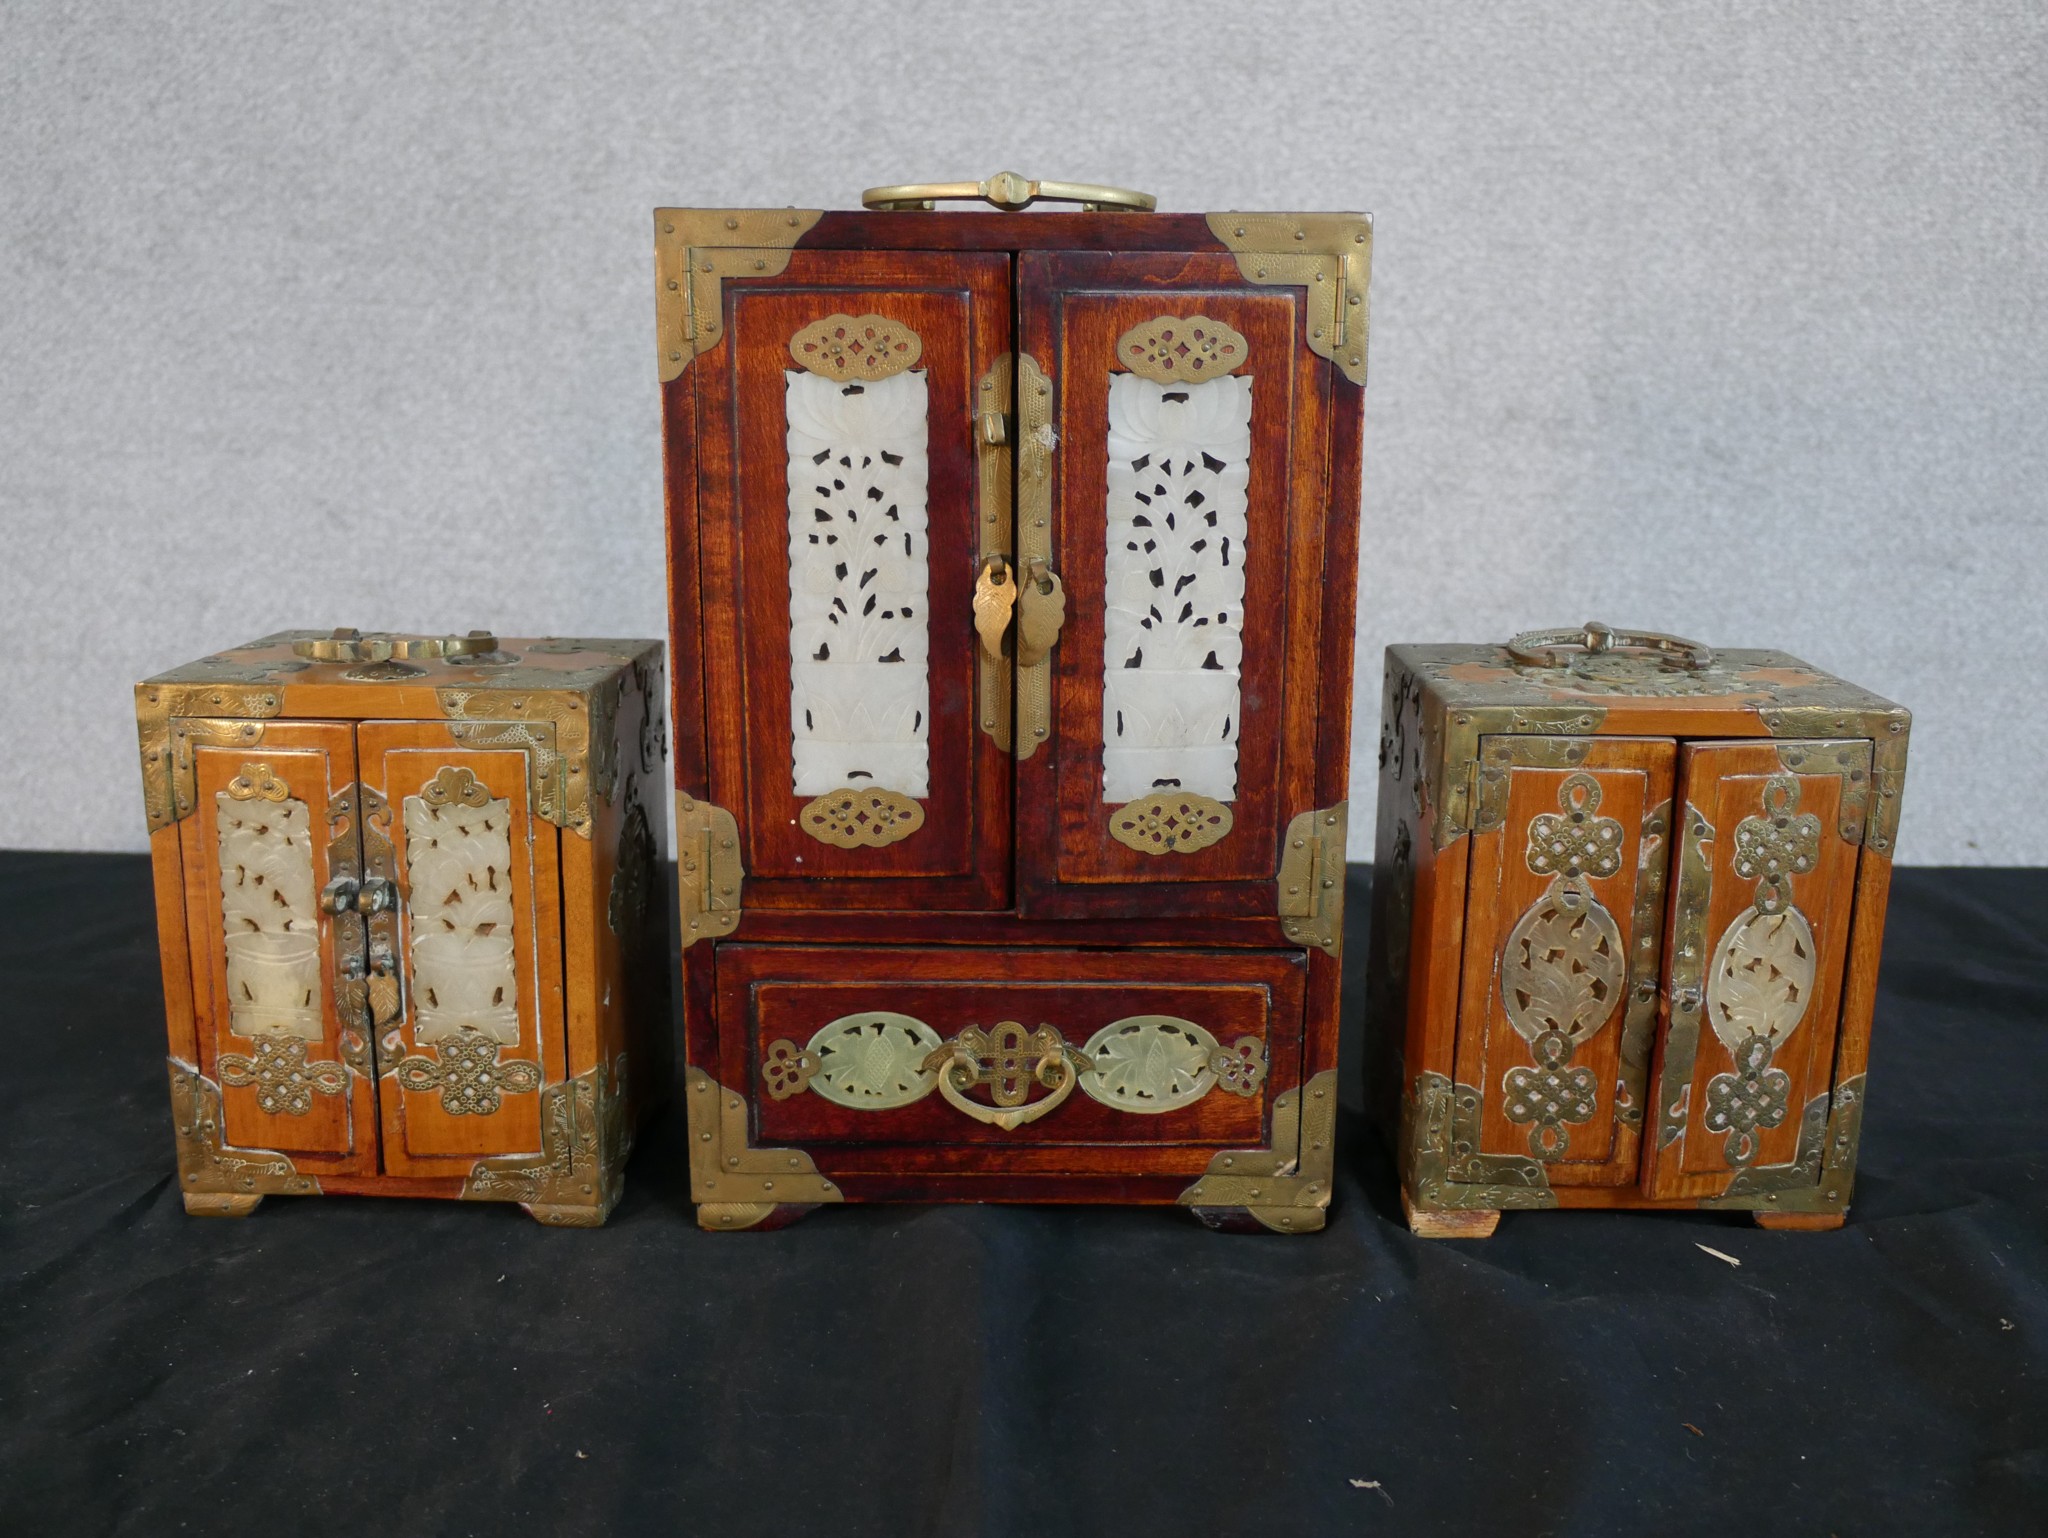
(1762, 974)
(1171, 822)
(1563, 966)
(468, 1074)
(1173, 349)
(1006, 1061)
(285, 1082)
(786, 1068)
(856, 347)
(856, 818)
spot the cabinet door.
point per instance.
(467, 1043)
(274, 977)
(1558, 1001)
(849, 464)
(1173, 448)
(1768, 837)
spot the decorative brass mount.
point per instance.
(1287, 1186)
(1311, 903)
(709, 874)
(1329, 256)
(695, 251)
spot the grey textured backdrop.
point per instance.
(1726, 319)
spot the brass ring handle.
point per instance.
(1561, 648)
(381, 646)
(1007, 1060)
(1008, 190)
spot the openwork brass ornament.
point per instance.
(709, 874)
(856, 818)
(576, 1178)
(1151, 1064)
(873, 1061)
(1445, 1171)
(1328, 256)
(786, 1068)
(1240, 1068)
(1761, 978)
(695, 251)
(845, 348)
(207, 1166)
(258, 782)
(1311, 878)
(1285, 1187)
(1173, 349)
(1562, 967)
(285, 1082)
(735, 1185)
(1170, 822)
(467, 1072)
(1006, 1061)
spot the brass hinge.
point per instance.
(709, 874)
(1311, 905)
(696, 250)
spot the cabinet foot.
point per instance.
(566, 1217)
(1800, 1222)
(1473, 1223)
(219, 1204)
(730, 1217)
(1261, 1220)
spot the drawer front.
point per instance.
(1066, 1057)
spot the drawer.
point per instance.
(973, 1048)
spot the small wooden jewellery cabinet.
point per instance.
(1627, 904)
(413, 940)
(1012, 560)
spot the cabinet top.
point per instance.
(353, 675)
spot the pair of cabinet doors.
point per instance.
(1657, 938)
(1011, 569)
(340, 873)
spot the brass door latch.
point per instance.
(995, 596)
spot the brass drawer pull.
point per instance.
(1007, 1060)
(1561, 648)
(1008, 190)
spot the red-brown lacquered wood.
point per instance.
(1633, 776)
(768, 994)
(827, 928)
(1073, 309)
(685, 602)
(1726, 783)
(312, 761)
(969, 1184)
(990, 230)
(401, 759)
(959, 307)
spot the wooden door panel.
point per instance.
(1182, 1051)
(1768, 837)
(273, 823)
(1185, 504)
(477, 939)
(840, 511)
(1564, 917)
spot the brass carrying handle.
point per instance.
(1008, 190)
(382, 646)
(1561, 648)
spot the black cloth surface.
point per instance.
(352, 1365)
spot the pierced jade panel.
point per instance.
(268, 912)
(860, 691)
(1173, 629)
(458, 860)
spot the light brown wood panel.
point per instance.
(1514, 873)
(402, 760)
(1729, 784)
(310, 764)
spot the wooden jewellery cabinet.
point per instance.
(1627, 903)
(413, 940)
(1012, 560)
